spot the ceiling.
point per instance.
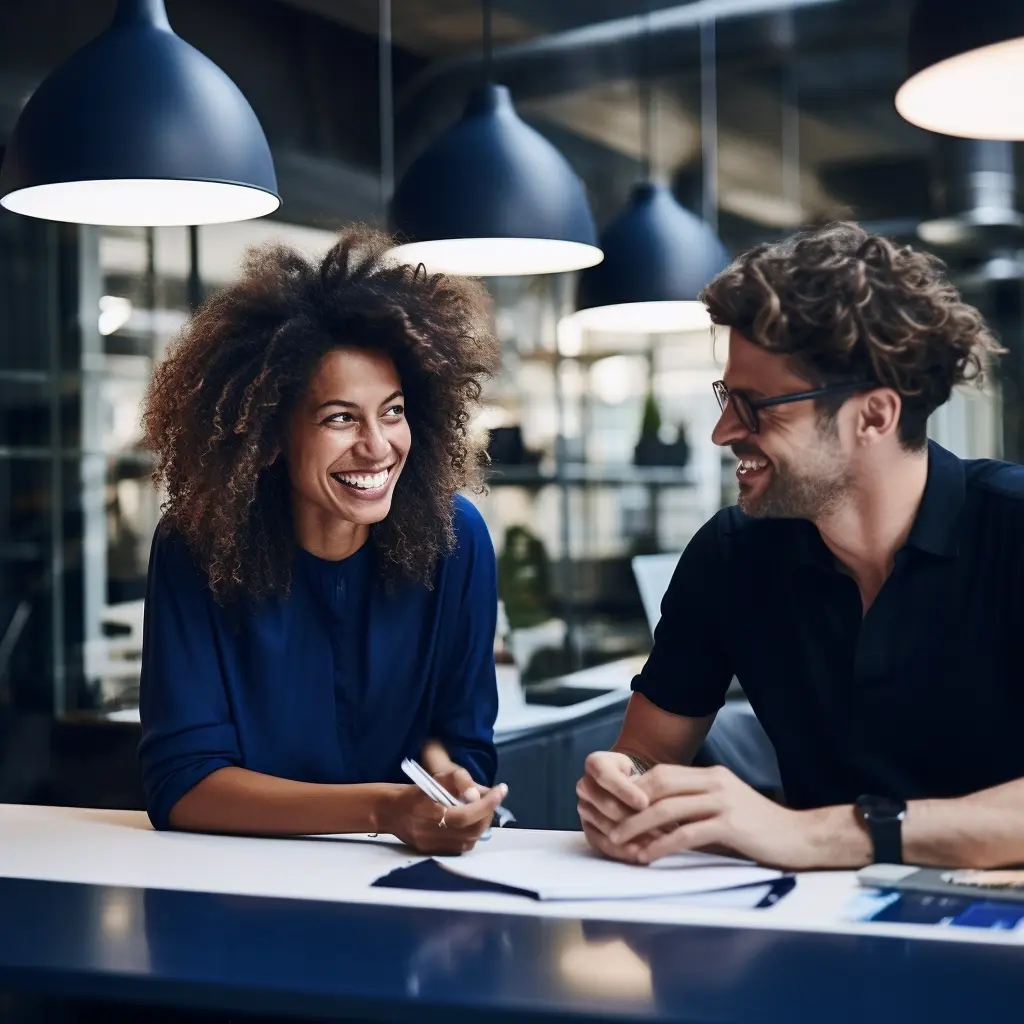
(805, 130)
(806, 126)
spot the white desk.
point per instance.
(119, 848)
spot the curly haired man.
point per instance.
(867, 592)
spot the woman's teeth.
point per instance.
(751, 465)
(363, 482)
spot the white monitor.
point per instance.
(653, 573)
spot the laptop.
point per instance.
(653, 574)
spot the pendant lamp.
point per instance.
(658, 257)
(657, 254)
(966, 69)
(492, 197)
(138, 128)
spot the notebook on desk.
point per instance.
(431, 876)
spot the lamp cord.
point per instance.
(791, 140)
(488, 39)
(709, 123)
(646, 98)
(385, 107)
(790, 100)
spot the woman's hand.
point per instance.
(460, 783)
(416, 820)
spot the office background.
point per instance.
(600, 442)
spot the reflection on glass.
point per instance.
(121, 939)
(610, 970)
(115, 312)
(443, 954)
(26, 637)
(141, 303)
(24, 412)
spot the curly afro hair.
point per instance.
(849, 305)
(217, 409)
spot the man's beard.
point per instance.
(806, 493)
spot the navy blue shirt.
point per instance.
(336, 683)
(922, 697)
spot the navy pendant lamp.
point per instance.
(657, 255)
(138, 128)
(492, 197)
(657, 258)
(965, 67)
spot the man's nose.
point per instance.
(729, 429)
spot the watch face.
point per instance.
(882, 808)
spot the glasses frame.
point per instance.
(747, 408)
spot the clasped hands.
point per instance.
(674, 808)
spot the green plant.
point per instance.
(651, 422)
(524, 578)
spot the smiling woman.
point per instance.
(346, 453)
(321, 601)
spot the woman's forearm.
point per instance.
(240, 801)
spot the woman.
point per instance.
(321, 602)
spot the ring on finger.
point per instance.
(442, 823)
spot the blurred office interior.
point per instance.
(762, 116)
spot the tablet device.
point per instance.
(1001, 884)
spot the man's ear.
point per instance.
(879, 415)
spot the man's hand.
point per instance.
(608, 795)
(694, 808)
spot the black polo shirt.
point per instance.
(922, 697)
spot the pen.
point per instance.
(429, 785)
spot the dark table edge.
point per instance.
(108, 985)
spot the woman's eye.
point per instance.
(339, 417)
(397, 410)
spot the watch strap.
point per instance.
(883, 819)
(887, 838)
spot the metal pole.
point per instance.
(385, 107)
(709, 123)
(56, 567)
(195, 282)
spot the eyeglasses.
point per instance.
(747, 408)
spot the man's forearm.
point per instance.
(982, 830)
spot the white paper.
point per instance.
(746, 898)
(581, 874)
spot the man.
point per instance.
(868, 591)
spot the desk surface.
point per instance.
(96, 905)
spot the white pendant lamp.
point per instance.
(966, 69)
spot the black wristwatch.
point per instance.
(883, 818)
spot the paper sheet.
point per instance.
(580, 874)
